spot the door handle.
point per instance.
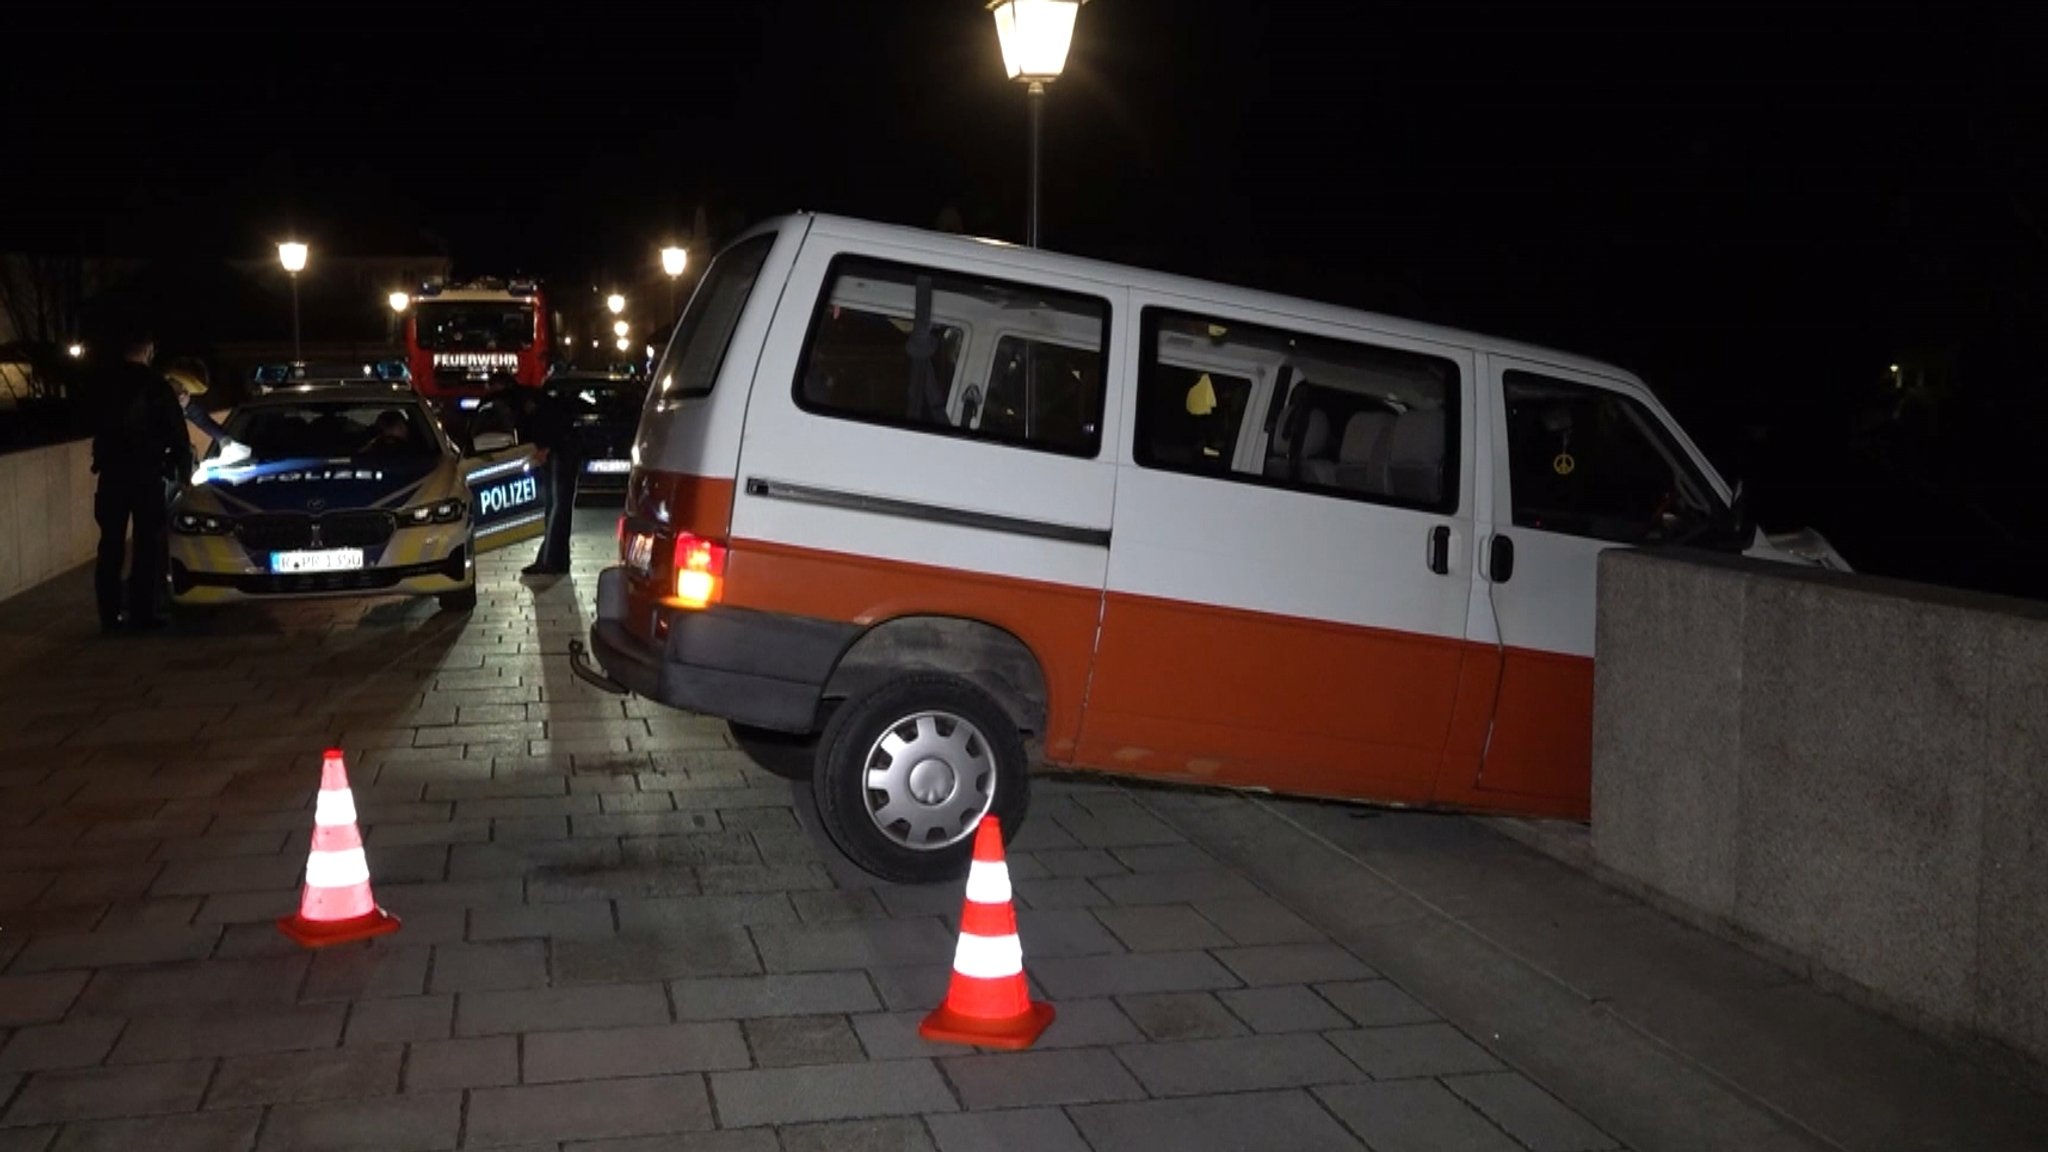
(1500, 560)
(1440, 550)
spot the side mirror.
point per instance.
(492, 442)
(1741, 515)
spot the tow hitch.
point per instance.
(589, 673)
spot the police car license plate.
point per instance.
(609, 467)
(640, 553)
(321, 560)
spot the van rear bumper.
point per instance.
(761, 668)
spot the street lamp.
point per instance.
(292, 255)
(399, 302)
(76, 350)
(619, 328)
(1034, 35)
(673, 261)
(624, 343)
(616, 303)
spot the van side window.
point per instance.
(1343, 418)
(1194, 417)
(957, 355)
(1585, 461)
(856, 367)
(1049, 393)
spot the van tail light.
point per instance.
(700, 571)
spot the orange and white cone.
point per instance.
(989, 1003)
(335, 906)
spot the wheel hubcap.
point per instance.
(931, 776)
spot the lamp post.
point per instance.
(673, 261)
(292, 255)
(1035, 36)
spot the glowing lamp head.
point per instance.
(624, 344)
(292, 255)
(1035, 36)
(616, 303)
(399, 301)
(76, 350)
(674, 260)
(619, 328)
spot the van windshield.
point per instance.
(690, 366)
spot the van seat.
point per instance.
(1356, 453)
(1415, 455)
(1315, 441)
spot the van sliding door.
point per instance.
(1287, 592)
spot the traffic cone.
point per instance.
(989, 1004)
(335, 906)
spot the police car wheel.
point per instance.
(906, 771)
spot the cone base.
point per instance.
(949, 1027)
(319, 934)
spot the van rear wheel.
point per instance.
(906, 772)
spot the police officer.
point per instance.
(548, 424)
(138, 443)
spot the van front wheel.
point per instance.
(907, 771)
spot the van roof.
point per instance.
(1000, 251)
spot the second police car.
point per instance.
(347, 490)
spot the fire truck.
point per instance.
(462, 340)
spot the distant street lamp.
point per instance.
(1035, 36)
(76, 350)
(619, 328)
(616, 303)
(292, 255)
(624, 343)
(399, 302)
(673, 261)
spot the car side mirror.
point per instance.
(1741, 515)
(486, 442)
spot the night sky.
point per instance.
(1756, 206)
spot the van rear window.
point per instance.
(690, 366)
(957, 355)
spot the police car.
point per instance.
(347, 490)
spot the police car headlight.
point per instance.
(444, 512)
(200, 524)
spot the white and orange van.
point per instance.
(914, 512)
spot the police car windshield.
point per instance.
(391, 430)
(601, 400)
(473, 327)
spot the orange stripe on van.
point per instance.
(1539, 756)
(1055, 621)
(1216, 695)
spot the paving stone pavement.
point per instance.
(618, 932)
(619, 935)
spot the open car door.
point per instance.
(508, 505)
